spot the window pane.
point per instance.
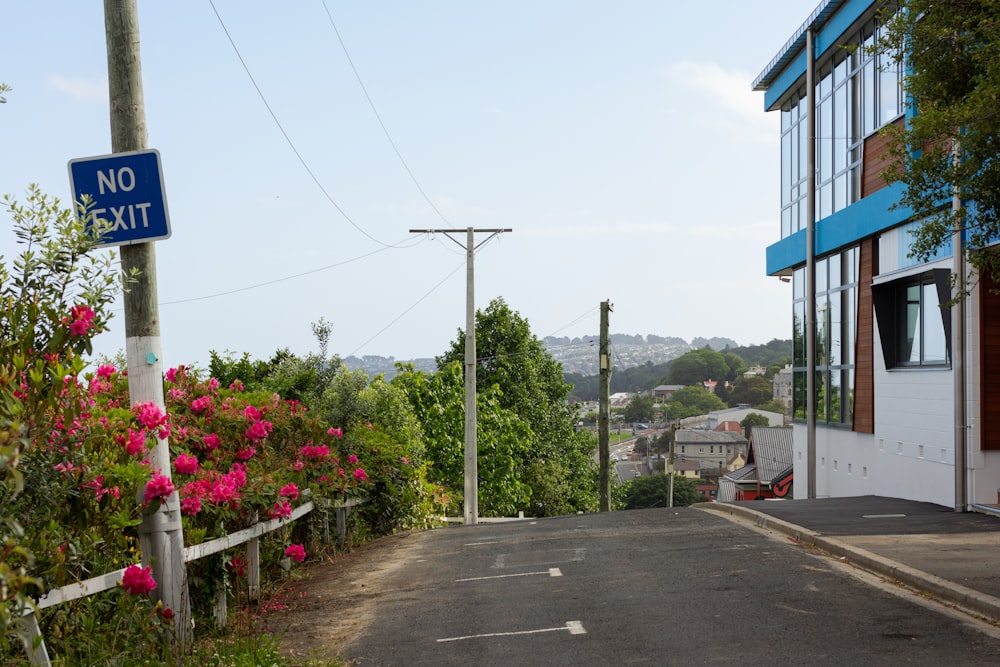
(850, 310)
(799, 333)
(822, 386)
(847, 391)
(868, 98)
(799, 395)
(909, 331)
(935, 344)
(837, 355)
(835, 407)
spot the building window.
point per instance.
(836, 306)
(857, 93)
(914, 327)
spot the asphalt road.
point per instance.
(648, 587)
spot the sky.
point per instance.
(619, 141)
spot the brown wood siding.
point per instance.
(864, 342)
(875, 158)
(989, 336)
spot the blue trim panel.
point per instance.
(826, 39)
(861, 219)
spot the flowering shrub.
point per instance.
(75, 474)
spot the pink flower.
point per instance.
(211, 441)
(79, 328)
(159, 486)
(213, 384)
(105, 371)
(290, 491)
(136, 443)
(224, 491)
(298, 466)
(296, 552)
(280, 510)
(82, 320)
(336, 432)
(405, 460)
(171, 375)
(238, 473)
(176, 394)
(360, 474)
(186, 464)
(149, 415)
(259, 430)
(191, 505)
(236, 385)
(246, 453)
(251, 413)
(318, 452)
(351, 458)
(201, 404)
(138, 580)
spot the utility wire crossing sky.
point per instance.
(620, 141)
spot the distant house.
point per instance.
(690, 468)
(754, 370)
(730, 426)
(620, 399)
(783, 387)
(739, 414)
(663, 392)
(712, 449)
(769, 470)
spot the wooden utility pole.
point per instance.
(471, 504)
(161, 539)
(604, 411)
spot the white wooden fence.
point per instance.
(39, 654)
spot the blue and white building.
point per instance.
(907, 394)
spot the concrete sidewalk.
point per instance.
(953, 556)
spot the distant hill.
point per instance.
(635, 358)
(579, 355)
(640, 366)
(374, 365)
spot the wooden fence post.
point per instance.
(39, 654)
(253, 566)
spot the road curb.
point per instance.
(942, 589)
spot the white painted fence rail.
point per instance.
(39, 655)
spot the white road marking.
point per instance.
(882, 516)
(573, 627)
(479, 544)
(552, 572)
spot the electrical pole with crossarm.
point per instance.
(160, 536)
(471, 506)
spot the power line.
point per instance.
(378, 116)
(288, 139)
(400, 316)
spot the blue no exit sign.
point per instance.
(127, 191)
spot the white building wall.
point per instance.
(910, 455)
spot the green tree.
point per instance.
(951, 52)
(527, 383)
(751, 420)
(438, 403)
(773, 405)
(752, 390)
(654, 491)
(692, 401)
(639, 408)
(697, 366)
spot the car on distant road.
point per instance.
(641, 427)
